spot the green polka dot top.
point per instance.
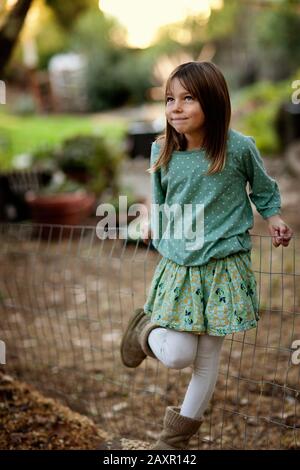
(195, 217)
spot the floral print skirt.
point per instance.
(217, 298)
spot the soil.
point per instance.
(28, 420)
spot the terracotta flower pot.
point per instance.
(60, 208)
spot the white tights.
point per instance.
(179, 349)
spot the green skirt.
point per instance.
(217, 298)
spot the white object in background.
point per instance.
(67, 74)
(2, 92)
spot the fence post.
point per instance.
(2, 92)
(2, 352)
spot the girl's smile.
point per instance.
(178, 119)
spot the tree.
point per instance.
(10, 30)
(67, 11)
(12, 22)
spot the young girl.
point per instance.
(201, 291)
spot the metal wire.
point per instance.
(65, 298)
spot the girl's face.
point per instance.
(183, 111)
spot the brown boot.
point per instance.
(134, 346)
(177, 430)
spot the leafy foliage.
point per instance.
(92, 155)
(256, 107)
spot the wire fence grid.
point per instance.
(65, 298)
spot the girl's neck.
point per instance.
(194, 143)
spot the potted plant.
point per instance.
(62, 202)
(89, 159)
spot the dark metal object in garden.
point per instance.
(141, 136)
(288, 123)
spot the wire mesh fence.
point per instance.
(65, 298)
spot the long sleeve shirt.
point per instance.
(195, 217)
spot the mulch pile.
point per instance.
(28, 420)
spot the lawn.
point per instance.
(24, 134)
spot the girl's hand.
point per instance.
(281, 233)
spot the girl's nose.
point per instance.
(177, 105)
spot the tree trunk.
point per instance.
(10, 30)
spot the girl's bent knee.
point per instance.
(180, 350)
(178, 362)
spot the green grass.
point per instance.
(25, 134)
(257, 106)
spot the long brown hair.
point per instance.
(205, 82)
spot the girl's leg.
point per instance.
(204, 378)
(175, 349)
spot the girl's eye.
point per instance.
(187, 98)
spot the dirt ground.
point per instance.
(63, 307)
(28, 420)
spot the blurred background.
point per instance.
(82, 91)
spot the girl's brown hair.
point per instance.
(205, 82)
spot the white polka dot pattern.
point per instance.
(228, 214)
